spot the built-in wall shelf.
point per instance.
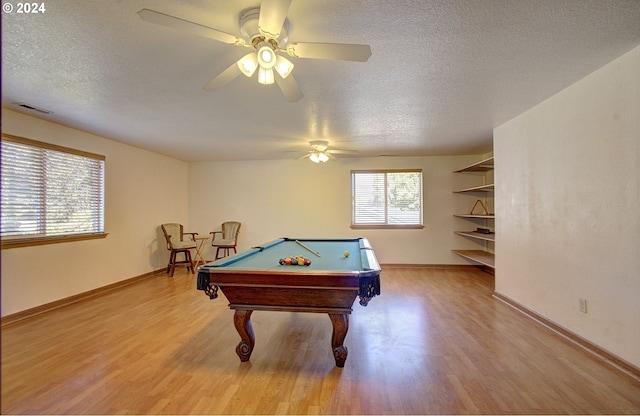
(479, 256)
(484, 257)
(481, 188)
(482, 166)
(486, 217)
(477, 235)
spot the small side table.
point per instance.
(199, 244)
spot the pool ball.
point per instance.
(346, 254)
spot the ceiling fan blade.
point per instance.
(289, 88)
(189, 27)
(335, 51)
(223, 78)
(303, 156)
(272, 16)
(342, 151)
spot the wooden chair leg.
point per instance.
(225, 252)
(187, 255)
(172, 263)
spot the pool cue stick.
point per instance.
(302, 245)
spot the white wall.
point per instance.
(568, 207)
(287, 198)
(142, 190)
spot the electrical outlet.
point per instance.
(582, 305)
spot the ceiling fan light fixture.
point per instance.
(319, 157)
(265, 76)
(248, 64)
(284, 67)
(266, 55)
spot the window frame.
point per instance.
(387, 226)
(8, 242)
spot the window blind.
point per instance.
(49, 191)
(369, 205)
(387, 198)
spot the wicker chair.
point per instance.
(228, 238)
(176, 243)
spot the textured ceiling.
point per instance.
(441, 76)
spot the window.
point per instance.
(49, 193)
(386, 198)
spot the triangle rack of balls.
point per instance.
(295, 261)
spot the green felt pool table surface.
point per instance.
(331, 256)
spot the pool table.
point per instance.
(255, 280)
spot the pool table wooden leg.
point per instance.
(340, 323)
(242, 321)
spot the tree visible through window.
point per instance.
(50, 191)
(386, 198)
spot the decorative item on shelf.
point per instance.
(484, 207)
(483, 230)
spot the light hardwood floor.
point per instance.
(434, 342)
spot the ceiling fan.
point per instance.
(321, 153)
(265, 31)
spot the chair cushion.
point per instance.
(224, 242)
(230, 229)
(173, 230)
(183, 245)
